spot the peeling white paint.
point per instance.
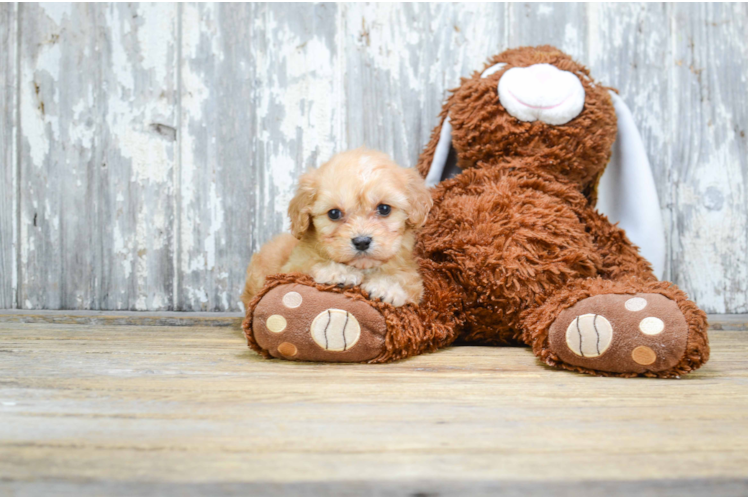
(545, 10)
(713, 213)
(56, 12)
(571, 40)
(34, 111)
(121, 64)
(122, 251)
(80, 131)
(198, 255)
(155, 38)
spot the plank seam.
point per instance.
(342, 64)
(507, 25)
(17, 270)
(177, 176)
(670, 267)
(98, 294)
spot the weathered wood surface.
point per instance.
(151, 149)
(8, 163)
(164, 410)
(710, 184)
(98, 109)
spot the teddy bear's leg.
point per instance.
(300, 322)
(295, 318)
(625, 328)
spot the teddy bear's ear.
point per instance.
(439, 163)
(627, 193)
(444, 163)
(492, 69)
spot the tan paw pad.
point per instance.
(651, 326)
(643, 355)
(636, 304)
(589, 335)
(292, 300)
(335, 330)
(276, 323)
(287, 349)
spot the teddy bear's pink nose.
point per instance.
(542, 73)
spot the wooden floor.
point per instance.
(138, 410)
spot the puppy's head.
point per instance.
(359, 206)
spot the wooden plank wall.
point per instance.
(148, 150)
(8, 163)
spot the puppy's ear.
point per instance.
(300, 208)
(419, 198)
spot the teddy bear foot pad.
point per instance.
(620, 333)
(299, 322)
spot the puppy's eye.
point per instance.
(335, 214)
(384, 210)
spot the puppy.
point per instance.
(353, 222)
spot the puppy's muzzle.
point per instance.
(361, 243)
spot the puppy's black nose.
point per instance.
(361, 242)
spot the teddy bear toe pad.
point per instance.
(299, 322)
(621, 333)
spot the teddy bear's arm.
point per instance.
(620, 257)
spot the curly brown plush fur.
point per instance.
(514, 240)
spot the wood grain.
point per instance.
(8, 162)
(158, 145)
(710, 154)
(113, 409)
(261, 105)
(98, 112)
(562, 25)
(218, 192)
(401, 59)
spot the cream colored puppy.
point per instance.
(353, 222)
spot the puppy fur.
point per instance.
(357, 183)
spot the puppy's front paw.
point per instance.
(337, 274)
(386, 290)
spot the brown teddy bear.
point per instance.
(514, 251)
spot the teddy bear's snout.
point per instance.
(541, 92)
